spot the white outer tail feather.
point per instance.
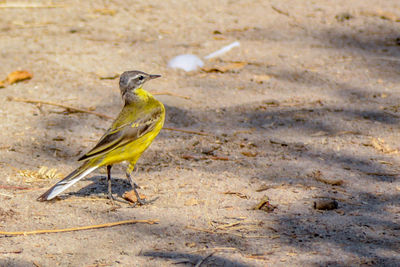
(62, 185)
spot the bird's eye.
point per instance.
(141, 78)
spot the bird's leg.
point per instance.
(134, 171)
(110, 196)
(133, 184)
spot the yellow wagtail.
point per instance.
(136, 126)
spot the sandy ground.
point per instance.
(313, 103)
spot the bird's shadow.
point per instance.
(99, 187)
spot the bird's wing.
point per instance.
(125, 133)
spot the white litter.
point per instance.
(223, 50)
(189, 62)
(186, 62)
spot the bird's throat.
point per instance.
(137, 95)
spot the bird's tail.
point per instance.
(68, 181)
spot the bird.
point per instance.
(139, 122)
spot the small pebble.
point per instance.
(325, 204)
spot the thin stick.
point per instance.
(205, 157)
(226, 233)
(171, 94)
(61, 106)
(227, 225)
(218, 249)
(25, 5)
(200, 229)
(9, 252)
(29, 189)
(200, 262)
(92, 112)
(331, 182)
(6, 195)
(13, 187)
(79, 228)
(280, 11)
(186, 131)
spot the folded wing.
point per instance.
(125, 133)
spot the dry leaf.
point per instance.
(131, 196)
(249, 154)
(2, 85)
(325, 204)
(235, 66)
(219, 37)
(241, 195)
(190, 245)
(109, 76)
(317, 175)
(59, 138)
(18, 76)
(105, 11)
(266, 187)
(264, 205)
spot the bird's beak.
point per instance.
(154, 76)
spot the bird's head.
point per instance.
(132, 80)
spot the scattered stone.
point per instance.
(325, 204)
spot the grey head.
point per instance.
(132, 80)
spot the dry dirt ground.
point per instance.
(309, 112)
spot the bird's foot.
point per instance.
(111, 199)
(114, 201)
(139, 200)
(110, 196)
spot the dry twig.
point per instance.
(95, 113)
(215, 249)
(201, 229)
(170, 94)
(6, 195)
(12, 251)
(186, 131)
(205, 157)
(78, 228)
(59, 105)
(266, 187)
(27, 5)
(238, 194)
(280, 11)
(229, 225)
(259, 256)
(225, 232)
(201, 261)
(317, 175)
(3, 186)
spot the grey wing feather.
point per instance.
(124, 134)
